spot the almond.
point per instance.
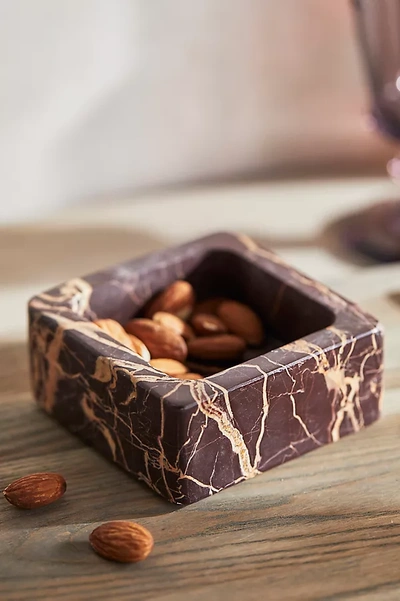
(169, 366)
(116, 331)
(242, 321)
(125, 542)
(175, 323)
(178, 298)
(35, 490)
(225, 346)
(161, 342)
(206, 324)
(139, 347)
(208, 306)
(190, 376)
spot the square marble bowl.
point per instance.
(318, 379)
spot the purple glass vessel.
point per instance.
(378, 28)
(375, 232)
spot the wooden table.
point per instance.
(326, 526)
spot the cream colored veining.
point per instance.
(227, 429)
(265, 411)
(75, 294)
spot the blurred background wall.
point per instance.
(101, 97)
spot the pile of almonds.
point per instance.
(189, 340)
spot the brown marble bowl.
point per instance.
(318, 380)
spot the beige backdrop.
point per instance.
(100, 97)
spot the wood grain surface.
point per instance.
(323, 527)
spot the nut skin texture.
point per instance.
(139, 347)
(161, 342)
(174, 323)
(206, 324)
(125, 542)
(178, 298)
(169, 366)
(223, 347)
(35, 490)
(116, 331)
(241, 320)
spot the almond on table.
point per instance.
(125, 542)
(35, 490)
